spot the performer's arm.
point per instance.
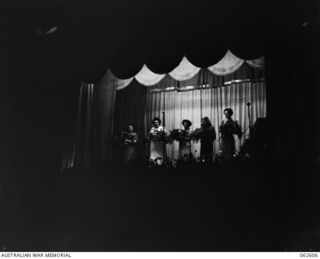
(127, 141)
(135, 139)
(220, 127)
(238, 130)
(186, 137)
(151, 133)
(214, 135)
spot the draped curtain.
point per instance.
(92, 143)
(84, 140)
(210, 102)
(204, 94)
(186, 70)
(109, 106)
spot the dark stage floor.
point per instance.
(225, 209)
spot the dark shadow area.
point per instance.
(243, 206)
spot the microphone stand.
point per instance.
(249, 117)
(164, 142)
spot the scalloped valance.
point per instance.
(185, 70)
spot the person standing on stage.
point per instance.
(130, 139)
(206, 134)
(185, 140)
(157, 137)
(228, 128)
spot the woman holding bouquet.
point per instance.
(206, 134)
(157, 137)
(130, 138)
(185, 140)
(228, 128)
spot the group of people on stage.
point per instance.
(206, 134)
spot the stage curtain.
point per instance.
(256, 63)
(94, 130)
(130, 109)
(205, 94)
(205, 78)
(147, 78)
(83, 142)
(185, 71)
(227, 65)
(106, 98)
(208, 102)
(104, 110)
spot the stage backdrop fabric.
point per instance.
(187, 92)
(192, 105)
(205, 94)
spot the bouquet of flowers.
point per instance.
(196, 135)
(201, 133)
(159, 135)
(176, 134)
(124, 136)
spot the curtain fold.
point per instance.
(82, 146)
(94, 129)
(227, 65)
(147, 78)
(112, 104)
(208, 102)
(185, 71)
(256, 63)
(115, 82)
(205, 78)
(107, 95)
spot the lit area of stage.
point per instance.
(108, 107)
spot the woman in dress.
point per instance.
(185, 140)
(206, 134)
(228, 128)
(157, 137)
(130, 139)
